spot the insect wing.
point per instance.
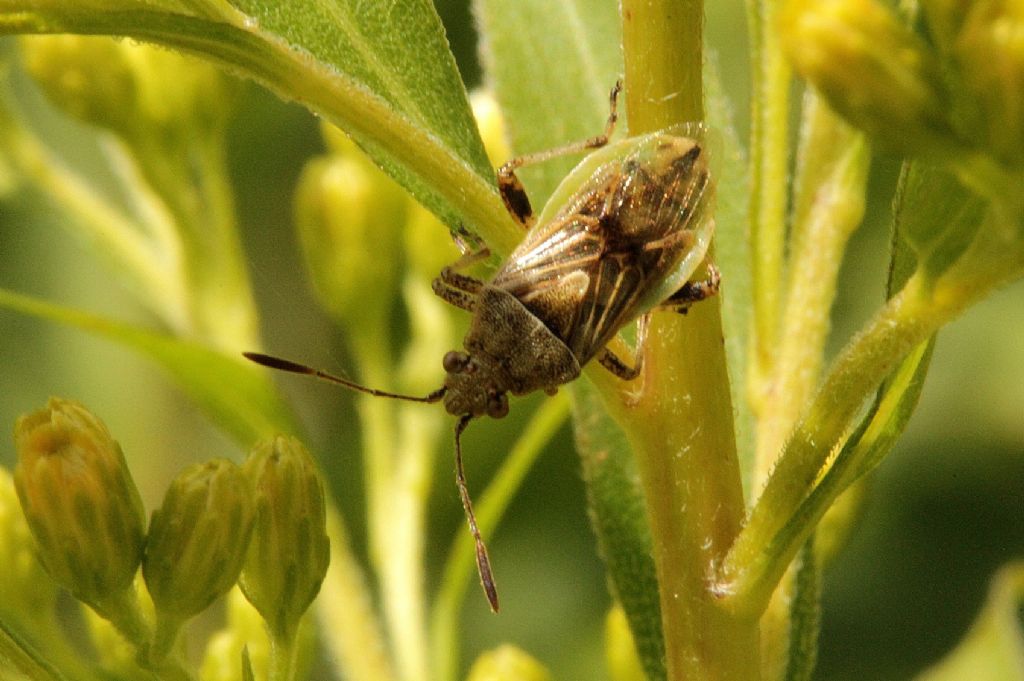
(631, 233)
(684, 207)
(551, 271)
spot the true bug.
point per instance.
(633, 227)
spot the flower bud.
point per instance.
(491, 125)
(124, 86)
(872, 69)
(984, 39)
(197, 538)
(507, 663)
(289, 551)
(79, 499)
(349, 215)
(26, 592)
(620, 648)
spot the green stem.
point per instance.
(663, 50)
(123, 611)
(769, 156)
(401, 576)
(461, 563)
(283, 654)
(348, 622)
(23, 660)
(751, 571)
(829, 193)
(114, 236)
(165, 636)
(681, 425)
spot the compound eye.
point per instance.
(454, 361)
(497, 406)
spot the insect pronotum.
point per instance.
(621, 237)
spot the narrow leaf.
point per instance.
(805, 616)
(993, 649)
(19, 660)
(619, 518)
(240, 398)
(731, 253)
(552, 65)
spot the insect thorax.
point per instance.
(512, 350)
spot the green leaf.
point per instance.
(544, 106)
(619, 518)
(247, 673)
(240, 398)
(381, 72)
(936, 217)
(20, 661)
(993, 649)
(805, 616)
(731, 253)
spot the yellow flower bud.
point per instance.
(984, 39)
(80, 501)
(130, 88)
(289, 551)
(507, 663)
(198, 538)
(620, 649)
(491, 125)
(873, 70)
(349, 216)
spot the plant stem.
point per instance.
(769, 143)
(114, 235)
(283, 652)
(681, 424)
(348, 621)
(750, 571)
(830, 194)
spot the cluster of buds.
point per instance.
(953, 84)
(264, 521)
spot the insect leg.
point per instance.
(694, 291)
(513, 194)
(483, 563)
(610, 361)
(458, 289)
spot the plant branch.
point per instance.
(769, 158)
(680, 425)
(752, 569)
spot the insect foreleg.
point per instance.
(513, 194)
(458, 289)
(693, 292)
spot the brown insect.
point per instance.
(633, 226)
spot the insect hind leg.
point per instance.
(513, 194)
(694, 291)
(613, 363)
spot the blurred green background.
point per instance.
(943, 512)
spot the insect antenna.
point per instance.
(295, 368)
(483, 563)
